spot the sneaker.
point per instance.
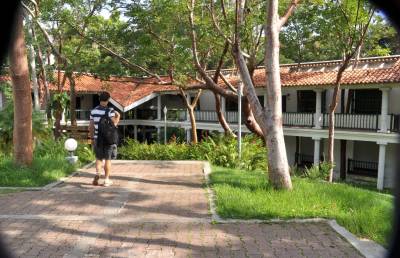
(96, 180)
(108, 182)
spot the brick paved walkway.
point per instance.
(152, 210)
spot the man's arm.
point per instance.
(116, 118)
(91, 129)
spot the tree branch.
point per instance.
(289, 11)
(123, 60)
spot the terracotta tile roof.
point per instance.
(124, 90)
(127, 90)
(383, 70)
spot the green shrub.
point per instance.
(39, 130)
(318, 172)
(85, 153)
(217, 149)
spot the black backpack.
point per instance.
(108, 132)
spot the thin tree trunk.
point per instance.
(72, 102)
(278, 166)
(332, 108)
(191, 107)
(250, 121)
(221, 116)
(22, 134)
(43, 72)
(32, 63)
(193, 125)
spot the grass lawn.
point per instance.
(45, 169)
(247, 195)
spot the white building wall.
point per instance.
(394, 103)
(291, 99)
(328, 100)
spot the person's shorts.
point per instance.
(107, 152)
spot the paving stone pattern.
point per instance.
(152, 210)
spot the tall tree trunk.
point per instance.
(270, 118)
(43, 73)
(221, 116)
(193, 124)
(72, 102)
(32, 63)
(22, 134)
(278, 166)
(332, 108)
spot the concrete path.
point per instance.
(152, 210)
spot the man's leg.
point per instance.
(99, 165)
(107, 169)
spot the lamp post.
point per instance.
(70, 145)
(165, 124)
(240, 120)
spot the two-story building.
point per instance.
(367, 120)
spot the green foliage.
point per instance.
(85, 153)
(248, 195)
(318, 172)
(39, 129)
(48, 165)
(217, 149)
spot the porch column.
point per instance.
(381, 164)
(158, 109)
(318, 118)
(317, 147)
(384, 110)
(135, 132)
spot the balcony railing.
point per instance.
(298, 119)
(290, 119)
(362, 168)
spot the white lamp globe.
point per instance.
(70, 144)
(165, 109)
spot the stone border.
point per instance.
(50, 185)
(366, 247)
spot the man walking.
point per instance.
(104, 152)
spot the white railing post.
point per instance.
(384, 110)
(317, 121)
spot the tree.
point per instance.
(191, 105)
(270, 117)
(354, 24)
(22, 135)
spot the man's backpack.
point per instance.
(108, 132)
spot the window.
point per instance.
(367, 101)
(306, 101)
